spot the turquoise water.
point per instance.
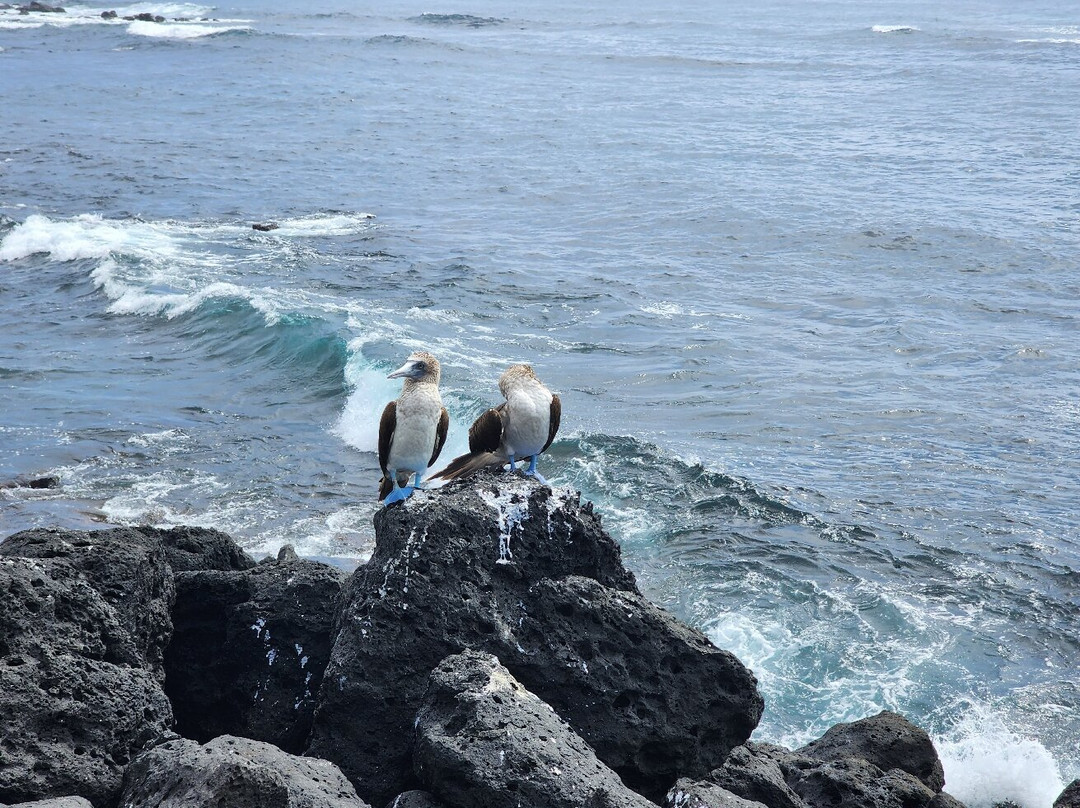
(804, 274)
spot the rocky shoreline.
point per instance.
(493, 652)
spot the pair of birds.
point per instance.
(413, 428)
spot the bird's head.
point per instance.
(516, 375)
(420, 366)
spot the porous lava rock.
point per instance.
(753, 774)
(503, 565)
(484, 741)
(84, 620)
(781, 778)
(250, 647)
(887, 740)
(416, 798)
(687, 793)
(199, 548)
(1070, 797)
(233, 772)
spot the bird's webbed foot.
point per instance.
(532, 472)
(398, 494)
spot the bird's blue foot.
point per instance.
(398, 494)
(532, 472)
(417, 482)
(513, 464)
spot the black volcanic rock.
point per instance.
(857, 783)
(83, 622)
(503, 565)
(888, 741)
(1070, 797)
(198, 548)
(484, 741)
(415, 799)
(127, 568)
(41, 8)
(249, 649)
(55, 802)
(780, 778)
(233, 772)
(688, 793)
(751, 773)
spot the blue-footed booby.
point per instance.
(413, 428)
(521, 427)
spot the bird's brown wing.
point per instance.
(387, 425)
(440, 435)
(553, 420)
(485, 434)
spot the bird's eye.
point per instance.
(421, 366)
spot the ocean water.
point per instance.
(805, 275)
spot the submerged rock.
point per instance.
(484, 741)
(250, 648)
(83, 625)
(233, 772)
(504, 565)
(40, 8)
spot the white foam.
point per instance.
(86, 236)
(331, 224)
(894, 29)
(358, 424)
(987, 763)
(180, 30)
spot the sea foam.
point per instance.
(180, 30)
(986, 763)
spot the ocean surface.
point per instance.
(806, 275)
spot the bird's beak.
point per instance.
(408, 369)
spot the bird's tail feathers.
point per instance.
(386, 485)
(469, 464)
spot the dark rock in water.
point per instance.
(56, 802)
(233, 772)
(249, 650)
(197, 548)
(503, 565)
(108, 15)
(751, 773)
(484, 741)
(781, 778)
(265, 227)
(416, 799)
(888, 741)
(50, 481)
(1070, 797)
(41, 8)
(688, 793)
(83, 622)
